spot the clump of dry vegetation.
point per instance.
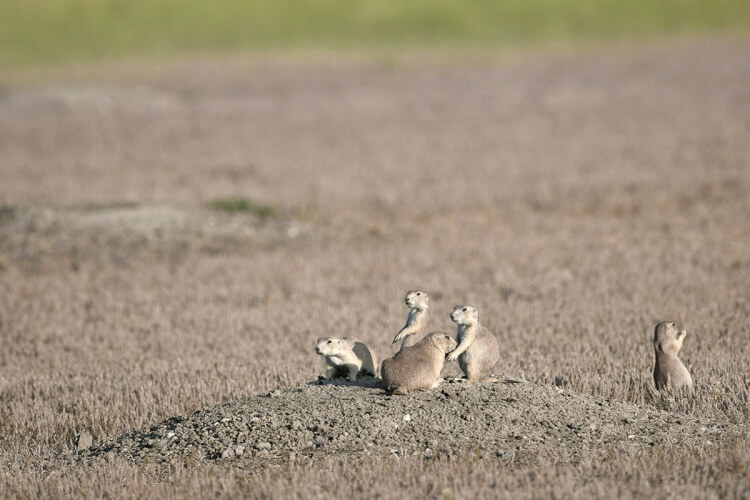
(242, 205)
(576, 200)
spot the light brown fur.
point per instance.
(346, 357)
(669, 372)
(416, 323)
(477, 351)
(417, 366)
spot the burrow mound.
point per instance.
(340, 417)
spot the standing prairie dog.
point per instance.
(417, 366)
(416, 322)
(477, 350)
(669, 372)
(346, 357)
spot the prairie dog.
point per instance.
(416, 322)
(346, 357)
(669, 372)
(417, 366)
(477, 350)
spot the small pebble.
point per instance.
(84, 441)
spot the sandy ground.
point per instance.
(575, 199)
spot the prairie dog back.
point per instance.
(418, 366)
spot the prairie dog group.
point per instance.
(475, 348)
(669, 372)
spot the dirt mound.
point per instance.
(339, 417)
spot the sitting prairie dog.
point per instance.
(417, 366)
(346, 357)
(477, 350)
(669, 372)
(416, 322)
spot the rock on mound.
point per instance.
(494, 420)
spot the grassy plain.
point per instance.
(574, 199)
(45, 32)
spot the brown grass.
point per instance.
(574, 200)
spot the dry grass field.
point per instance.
(575, 198)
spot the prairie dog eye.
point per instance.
(464, 309)
(419, 293)
(330, 341)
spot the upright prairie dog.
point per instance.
(669, 372)
(416, 322)
(477, 350)
(417, 366)
(346, 357)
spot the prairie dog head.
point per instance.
(443, 341)
(668, 337)
(417, 299)
(331, 346)
(465, 315)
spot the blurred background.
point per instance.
(62, 31)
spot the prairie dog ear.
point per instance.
(434, 339)
(347, 342)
